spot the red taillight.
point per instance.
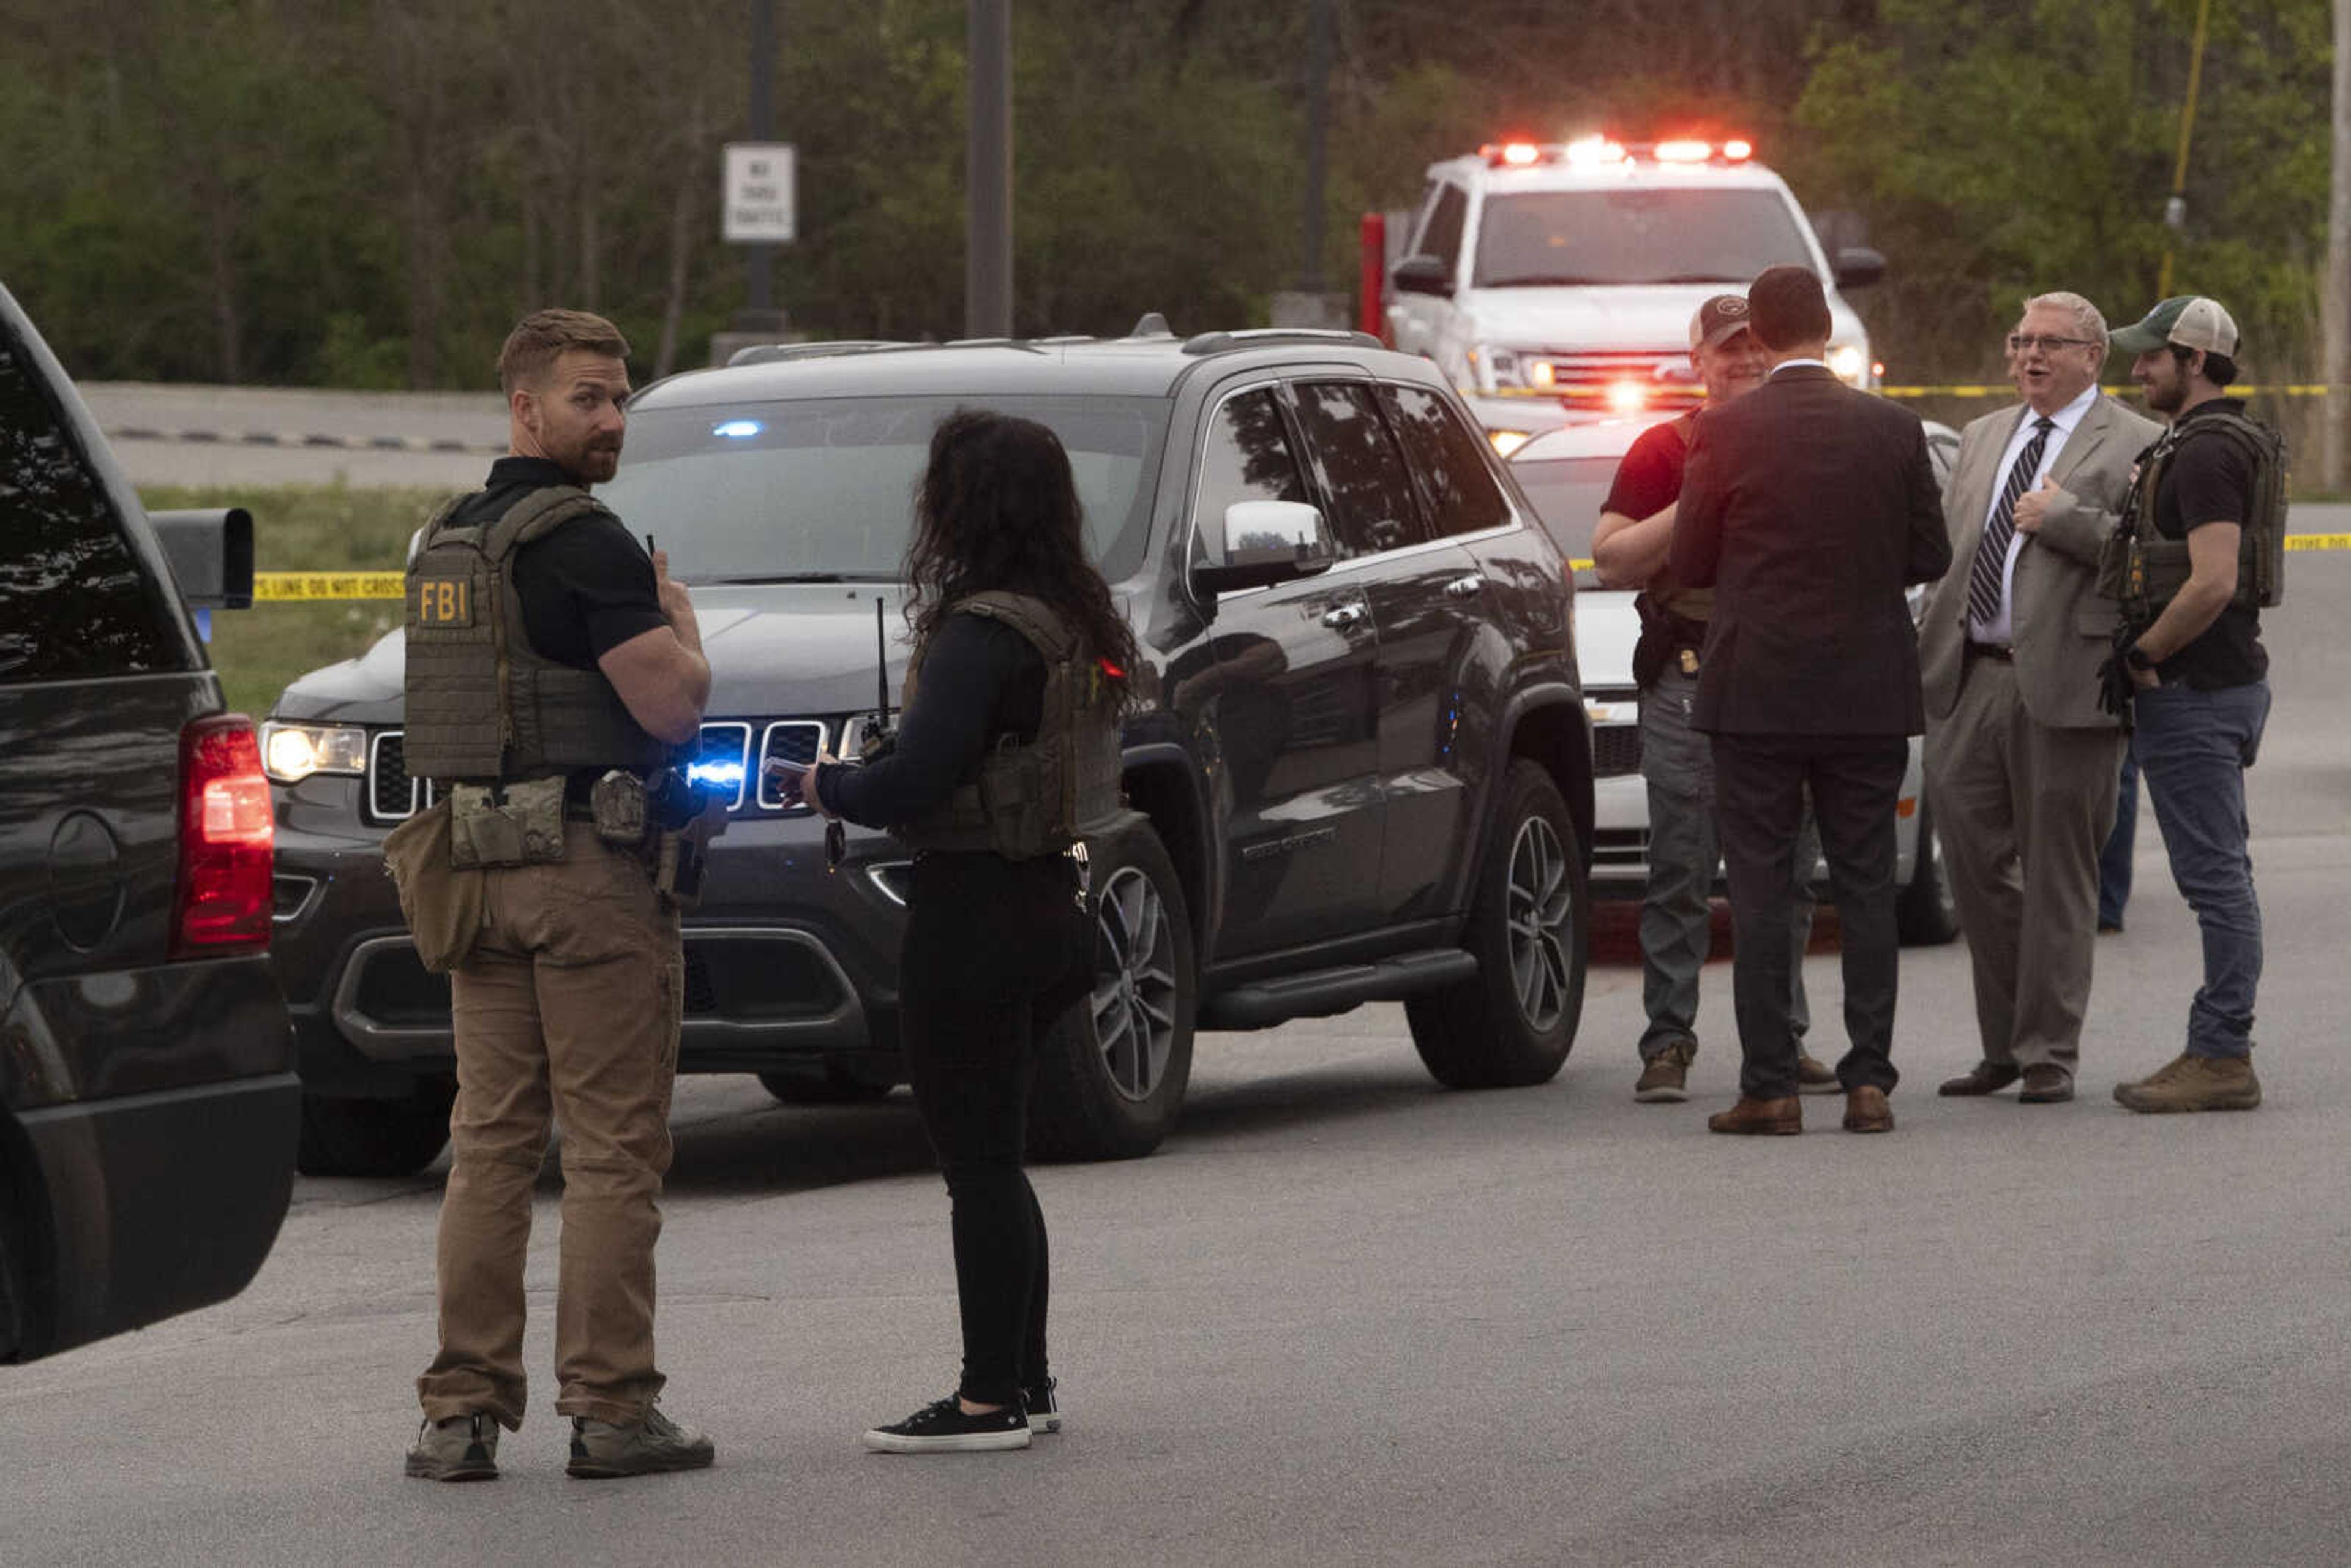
(226, 834)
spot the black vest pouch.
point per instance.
(514, 824)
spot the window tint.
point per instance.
(1442, 237)
(1568, 493)
(1454, 480)
(1248, 459)
(1371, 490)
(73, 599)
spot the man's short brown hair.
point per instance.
(544, 337)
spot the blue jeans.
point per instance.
(2194, 747)
(2115, 860)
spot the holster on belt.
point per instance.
(680, 855)
(1666, 638)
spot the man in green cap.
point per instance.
(2212, 484)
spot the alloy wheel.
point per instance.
(1540, 919)
(1135, 991)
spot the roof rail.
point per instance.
(1251, 337)
(771, 353)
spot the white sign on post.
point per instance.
(760, 193)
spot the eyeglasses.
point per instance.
(2018, 342)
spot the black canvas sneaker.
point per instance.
(1044, 1411)
(944, 1428)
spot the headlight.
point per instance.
(292, 752)
(1851, 365)
(1510, 369)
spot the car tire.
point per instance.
(350, 1137)
(837, 1086)
(1111, 1079)
(1514, 1023)
(1924, 913)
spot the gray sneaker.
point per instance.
(461, 1448)
(601, 1450)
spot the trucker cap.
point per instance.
(2189, 320)
(1719, 318)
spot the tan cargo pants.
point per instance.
(566, 1010)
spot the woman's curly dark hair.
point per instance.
(998, 510)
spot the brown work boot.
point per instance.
(1866, 1110)
(2195, 1083)
(1815, 1077)
(1765, 1116)
(1983, 1078)
(1664, 1078)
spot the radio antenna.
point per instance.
(880, 664)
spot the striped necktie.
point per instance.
(1992, 556)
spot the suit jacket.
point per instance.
(2063, 632)
(1809, 507)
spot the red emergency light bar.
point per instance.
(1601, 150)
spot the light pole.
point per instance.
(988, 172)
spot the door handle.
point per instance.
(1340, 616)
(1466, 587)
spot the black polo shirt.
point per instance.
(588, 587)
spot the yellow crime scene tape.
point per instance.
(279, 587)
(286, 585)
(2003, 389)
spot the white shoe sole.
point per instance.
(881, 1442)
(1048, 1422)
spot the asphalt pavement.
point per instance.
(1346, 1317)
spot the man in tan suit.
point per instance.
(2021, 760)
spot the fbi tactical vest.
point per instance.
(1039, 797)
(481, 703)
(2145, 571)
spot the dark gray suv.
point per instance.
(1362, 766)
(147, 1092)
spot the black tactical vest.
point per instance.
(1039, 797)
(481, 703)
(2145, 571)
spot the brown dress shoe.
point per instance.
(1866, 1110)
(1752, 1115)
(1983, 1078)
(2046, 1086)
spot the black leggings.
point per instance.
(994, 949)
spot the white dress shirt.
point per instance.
(2001, 627)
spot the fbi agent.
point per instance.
(552, 669)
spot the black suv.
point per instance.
(1362, 762)
(148, 1101)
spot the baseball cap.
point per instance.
(2189, 320)
(1718, 319)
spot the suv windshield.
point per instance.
(823, 490)
(1563, 237)
(1567, 493)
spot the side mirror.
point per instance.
(211, 553)
(1266, 542)
(1857, 266)
(1423, 275)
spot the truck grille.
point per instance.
(1615, 750)
(392, 795)
(1584, 381)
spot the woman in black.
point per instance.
(995, 949)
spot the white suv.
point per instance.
(1549, 281)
